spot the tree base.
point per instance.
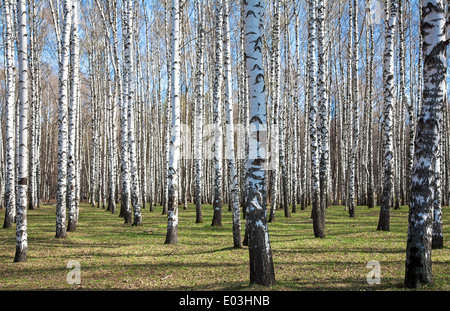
(294, 208)
(137, 222)
(61, 235)
(417, 280)
(351, 212)
(382, 228)
(261, 268)
(21, 255)
(172, 236)
(239, 245)
(127, 217)
(71, 226)
(7, 224)
(217, 217)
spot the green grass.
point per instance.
(113, 255)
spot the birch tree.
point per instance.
(296, 185)
(112, 145)
(369, 114)
(22, 183)
(73, 109)
(261, 262)
(129, 96)
(63, 120)
(354, 102)
(275, 134)
(282, 122)
(308, 87)
(174, 155)
(117, 100)
(168, 109)
(388, 116)
(243, 118)
(198, 120)
(420, 221)
(217, 114)
(230, 154)
(125, 198)
(403, 103)
(316, 211)
(323, 112)
(10, 194)
(412, 120)
(34, 103)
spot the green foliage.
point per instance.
(113, 255)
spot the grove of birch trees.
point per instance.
(264, 108)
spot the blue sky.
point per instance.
(155, 15)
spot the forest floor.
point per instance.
(115, 256)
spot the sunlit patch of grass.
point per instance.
(114, 255)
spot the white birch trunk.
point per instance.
(124, 187)
(370, 182)
(354, 105)
(412, 120)
(244, 120)
(33, 70)
(230, 155)
(129, 96)
(62, 125)
(403, 102)
(151, 133)
(10, 192)
(22, 187)
(217, 115)
(122, 89)
(347, 104)
(296, 137)
(261, 262)
(275, 118)
(73, 110)
(420, 223)
(323, 117)
(388, 117)
(174, 155)
(316, 211)
(283, 132)
(111, 147)
(168, 112)
(198, 119)
(306, 180)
